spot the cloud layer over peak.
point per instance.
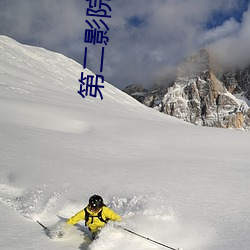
(146, 38)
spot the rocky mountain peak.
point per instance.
(196, 64)
(202, 97)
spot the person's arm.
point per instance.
(77, 217)
(111, 215)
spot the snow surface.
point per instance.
(182, 185)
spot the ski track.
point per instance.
(144, 214)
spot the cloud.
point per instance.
(233, 49)
(146, 38)
(228, 28)
(53, 24)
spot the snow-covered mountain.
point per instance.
(202, 96)
(182, 185)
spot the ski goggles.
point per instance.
(94, 208)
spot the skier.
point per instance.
(95, 214)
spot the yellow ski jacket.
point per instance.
(94, 223)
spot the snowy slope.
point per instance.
(179, 184)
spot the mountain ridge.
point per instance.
(200, 95)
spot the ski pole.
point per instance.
(45, 228)
(146, 238)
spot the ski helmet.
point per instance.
(95, 202)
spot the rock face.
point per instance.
(237, 81)
(201, 97)
(137, 91)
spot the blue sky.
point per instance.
(218, 17)
(147, 38)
